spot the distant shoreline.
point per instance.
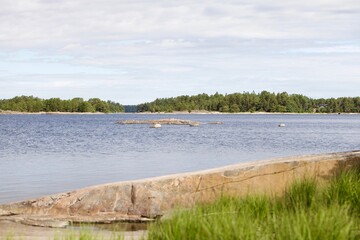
(238, 113)
(168, 113)
(47, 113)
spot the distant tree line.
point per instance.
(236, 102)
(253, 102)
(34, 104)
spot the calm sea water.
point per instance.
(46, 154)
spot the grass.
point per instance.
(345, 190)
(306, 210)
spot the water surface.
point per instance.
(45, 154)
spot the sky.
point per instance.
(134, 51)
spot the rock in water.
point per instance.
(215, 123)
(170, 121)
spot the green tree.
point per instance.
(86, 107)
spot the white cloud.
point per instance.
(53, 23)
(345, 49)
(146, 49)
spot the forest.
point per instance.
(232, 103)
(253, 102)
(34, 104)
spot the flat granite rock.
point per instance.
(148, 199)
(14, 230)
(39, 221)
(5, 213)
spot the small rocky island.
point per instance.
(166, 121)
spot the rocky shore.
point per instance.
(149, 199)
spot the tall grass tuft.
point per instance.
(344, 189)
(326, 223)
(301, 194)
(305, 211)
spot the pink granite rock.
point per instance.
(146, 199)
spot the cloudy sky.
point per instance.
(132, 51)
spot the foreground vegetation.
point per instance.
(306, 211)
(34, 104)
(253, 102)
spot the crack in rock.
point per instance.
(242, 180)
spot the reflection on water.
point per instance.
(104, 229)
(45, 154)
(123, 226)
